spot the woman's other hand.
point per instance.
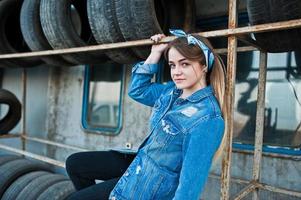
(157, 49)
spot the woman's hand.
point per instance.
(157, 49)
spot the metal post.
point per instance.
(244, 192)
(23, 122)
(230, 86)
(259, 120)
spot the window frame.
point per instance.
(110, 131)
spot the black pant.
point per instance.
(83, 168)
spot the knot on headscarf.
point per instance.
(209, 57)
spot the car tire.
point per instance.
(61, 33)
(11, 38)
(33, 33)
(6, 158)
(58, 191)
(13, 116)
(36, 187)
(139, 19)
(105, 28)
(263, 11)
(11, 170)
(20, 183)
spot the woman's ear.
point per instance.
(205, 69)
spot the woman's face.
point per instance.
(186, 74)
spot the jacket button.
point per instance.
(126, 174)
(114, 198)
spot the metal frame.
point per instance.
(233, 33)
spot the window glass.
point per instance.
(103, 97)
(282, 114)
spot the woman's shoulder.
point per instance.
(168, 89)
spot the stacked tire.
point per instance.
(13, 115)
(11, 38)
(22, 179)
(37, 25)
(268, 11)
(127, 20)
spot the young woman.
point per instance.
(186, 129)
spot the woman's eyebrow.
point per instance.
(183, 59)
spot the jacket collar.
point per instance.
(196, 96)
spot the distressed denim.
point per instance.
(174, 160)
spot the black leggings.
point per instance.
(83, 168)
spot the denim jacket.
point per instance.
(174, 160)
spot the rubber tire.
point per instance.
(267, 11)
(138, 19)
(13, 116)
(180, 14)
(33, 34)
(60, 32)
(36, 187)
(19, 184)
(105, 28)
(11, 39)
(58, 191)
(6, 158)
(11, 170)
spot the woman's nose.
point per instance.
(177, 70)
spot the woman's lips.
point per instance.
(179, 80)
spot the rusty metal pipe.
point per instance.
(279, 190)
(32, 155)
(230, 90)
(54, 143)
(259, 120)
(23, 112)
(245, 191)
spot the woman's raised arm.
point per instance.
(141, 88)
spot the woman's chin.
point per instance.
(180, 86)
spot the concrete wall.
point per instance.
(277, 172)
(64, 115)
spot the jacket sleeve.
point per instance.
(199, 147)
(141, 88)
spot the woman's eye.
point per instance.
(185, 64)
(172, 66)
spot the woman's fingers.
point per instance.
(156, 38)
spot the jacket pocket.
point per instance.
(167, 131)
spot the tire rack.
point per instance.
(233, 33)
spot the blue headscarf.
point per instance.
(192, 40)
